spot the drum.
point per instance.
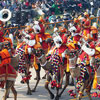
(5, 57)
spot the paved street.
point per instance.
(40, 94)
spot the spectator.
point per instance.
(30, 19)
(4, 4)
(66, 16)
(14, 6)
(10, 8)
(98, 15)
(52, 18)
(55, 8)
(92, 10)
(43, 6)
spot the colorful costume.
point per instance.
(94, 32)
(63, 34)
(7, 72)
(41, 37)
(77, 35)
(60, 49)
(86, 27)
(74, 38)
(21, 51)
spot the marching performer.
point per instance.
(41, 36)
(63, 34)
(94, 32)
(86, 26)
(60, 49)
(7, 72)
(75, 37)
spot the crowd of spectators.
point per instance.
(50, 8)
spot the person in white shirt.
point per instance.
(43, 6)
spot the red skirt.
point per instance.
(7, 72)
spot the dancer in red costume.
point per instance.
(94, 32)
(7, 72)
(77, 35)
(86, 26)
(59, 48)
(41, 36)
(63, 34)
(75, 38)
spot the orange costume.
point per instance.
(7, 72)
(94, 32)
(59, 49)
(86, 26)
(43, 36)
(74, 38)
(77, 37)
(63, 34)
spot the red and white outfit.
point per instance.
(41, 36)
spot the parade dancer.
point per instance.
(6, 51)
(86, 25)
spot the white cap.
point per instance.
(91, 3)
(73, 29)
(95, 24)
(36, 22)
(36, 27)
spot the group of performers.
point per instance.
(63, 38)
(34, 37)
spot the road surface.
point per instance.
(41, 93)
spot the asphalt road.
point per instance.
(41, 93)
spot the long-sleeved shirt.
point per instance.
(98, 12)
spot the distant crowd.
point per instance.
(50, 8)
